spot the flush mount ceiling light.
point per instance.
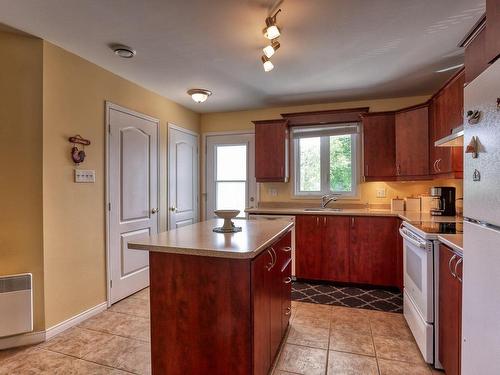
(449, 68)
(271, 49)
(123, 51)
(268, 65)
(199, 95)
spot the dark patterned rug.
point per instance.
(348, 296)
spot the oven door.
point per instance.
(418, 268)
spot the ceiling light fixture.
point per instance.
(272, 31)
(123, 51)
(268, 65)
(199, 95)
(449, 68)
(271, 49)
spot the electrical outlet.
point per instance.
(381, 193)
(84, 176)
(273, 192)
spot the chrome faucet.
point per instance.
(325, 199)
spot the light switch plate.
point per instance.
(381, 193)
(84, 176)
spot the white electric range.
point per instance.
(421, 282)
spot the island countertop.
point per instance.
(199, 239)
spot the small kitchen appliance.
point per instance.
(445, 197)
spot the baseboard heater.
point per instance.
(16, 304)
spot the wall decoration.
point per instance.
(77, 155)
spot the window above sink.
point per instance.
(326, 159)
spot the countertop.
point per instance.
(199, 239)
(454, 241)
(404, 215)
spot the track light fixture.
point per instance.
(271, 49)
(271, 32)
(268, 65)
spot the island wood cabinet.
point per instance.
(379, 145)
(357, 249)
(412, 142)
(271, 290)
(271, 150)
(212, 315)
(450, 310)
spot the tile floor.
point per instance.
(321, 340)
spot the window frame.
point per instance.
(325, 169)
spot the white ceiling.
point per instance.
(331, 49)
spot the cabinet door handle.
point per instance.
(435, 168)
(317, 220)
(324, 221)
(352, 222)
(456, 265)
(437, 165)
(398, 169)
(449, 264)
(287, 280)
(286, 249)
(271, 263)
(288, 311)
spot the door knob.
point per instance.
(173, 208)
(154, 210)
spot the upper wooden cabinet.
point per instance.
(412, 142)
(492, 42)
(379, 145)
(446, 113)
(271, 150)
(476, 60)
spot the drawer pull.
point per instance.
(287, 249)
(287, 280)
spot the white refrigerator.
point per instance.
(481, 272)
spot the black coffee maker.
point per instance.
(445, 197)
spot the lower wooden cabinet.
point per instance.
(357, 249)
(450, 310)
(373, 250)
(322, 247)
(271, 277)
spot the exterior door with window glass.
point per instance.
(230, 173)
(325, 159)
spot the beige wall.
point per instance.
(21, 162)
(242, 120)
(74, 94)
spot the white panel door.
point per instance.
(230, 173)
(183, 177)
(132, 196)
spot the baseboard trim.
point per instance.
(73, 321)
(32, 338)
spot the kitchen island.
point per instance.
(220, 303)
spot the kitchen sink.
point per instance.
(320, 209)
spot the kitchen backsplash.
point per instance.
(367, 192)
